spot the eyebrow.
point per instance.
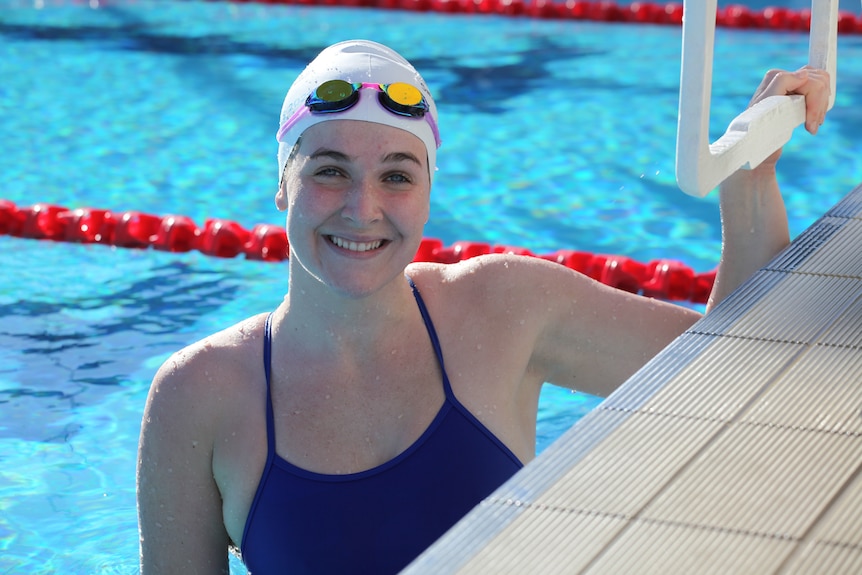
(327, 153)
(392, 157)
(402, 156)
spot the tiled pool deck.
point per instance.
(737, 450)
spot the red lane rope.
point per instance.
(664, 279)
(730, 16)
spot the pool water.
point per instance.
(556, 135)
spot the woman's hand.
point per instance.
(810, 82)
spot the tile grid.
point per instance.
(803, 258)
(527, 504)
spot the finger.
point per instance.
(809, 82)
(817, 91)
(764, 85)
(784, 83)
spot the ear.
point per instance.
(281, 196)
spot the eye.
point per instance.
(328, 172)
(398, 178)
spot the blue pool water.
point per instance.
(556, 135)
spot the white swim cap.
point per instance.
(357, 61)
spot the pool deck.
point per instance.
(738, 449)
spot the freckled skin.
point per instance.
(366, 191)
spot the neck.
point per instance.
(325, 318)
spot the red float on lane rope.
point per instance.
(733, 16)
(665, 279)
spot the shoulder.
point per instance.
(491, 295)
(200, 377)
(571, 325)
(197, 407)
(227, 349)
(504, 263)
(495, 279)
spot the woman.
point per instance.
(382, 399)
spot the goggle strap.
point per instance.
(316, 105)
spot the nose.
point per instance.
(362, 205)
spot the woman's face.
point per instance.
(357, 197)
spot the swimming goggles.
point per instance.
(335, 96)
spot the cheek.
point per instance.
(426, 206)
(289, 187)
(296, 198)
(293, 205)
(307, 209)
(297, 211)
(424, 216)
(417, 214)
(427, 212)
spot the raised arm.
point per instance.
(596, 337)
(753, 217)
(179, 504)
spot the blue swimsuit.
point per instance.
(375, 521)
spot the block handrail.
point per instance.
(757, 132)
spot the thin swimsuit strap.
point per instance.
(447, 387)
(267, 360)
(267, 367)
(432, 333)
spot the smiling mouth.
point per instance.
(355, 246)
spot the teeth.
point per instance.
(355, 246)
